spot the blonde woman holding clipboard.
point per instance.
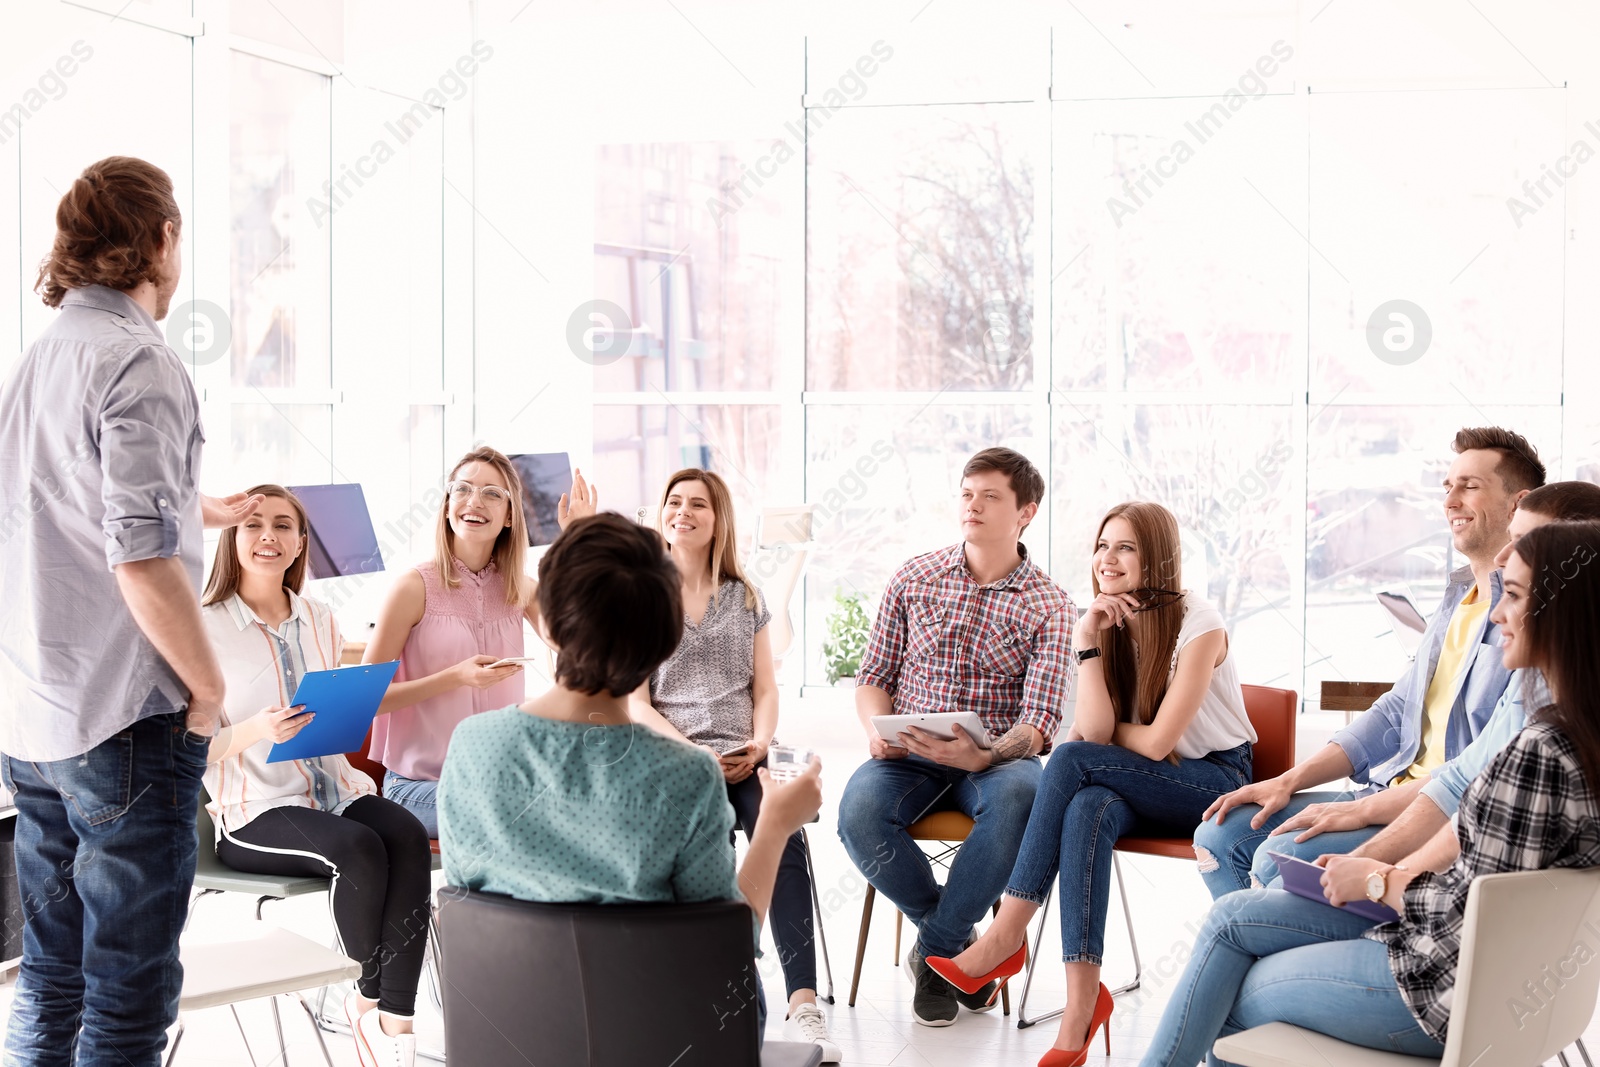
(316, 817)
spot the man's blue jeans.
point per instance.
(884, 797)
(1093, 794)
(1234, 856)
(1265, 955)
(105, 861)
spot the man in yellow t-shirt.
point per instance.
(1434, 710)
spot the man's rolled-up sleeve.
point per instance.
(145, 425)
(886, 641)
(1051, 669)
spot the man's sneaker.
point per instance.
(808, 1024)
(981, 1000)
(934, 1002)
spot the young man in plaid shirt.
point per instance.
(975, 627)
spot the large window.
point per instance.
(1267, 309)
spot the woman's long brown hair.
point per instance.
(1137, 681)
(225, 569)
(724, 541)
(1562, 627)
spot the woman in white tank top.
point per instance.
(1160, 732)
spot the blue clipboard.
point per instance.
(344, 700)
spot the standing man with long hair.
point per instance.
(109, 690)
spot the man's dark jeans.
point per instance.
(105, 861)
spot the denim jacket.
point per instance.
(1383, 742)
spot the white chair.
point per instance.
(266, 962)
(1538, 927)
(783, 544)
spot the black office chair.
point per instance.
(601, 985)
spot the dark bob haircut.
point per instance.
(611, 602)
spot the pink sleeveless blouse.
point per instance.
(471, 619)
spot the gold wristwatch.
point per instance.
(1378, 882)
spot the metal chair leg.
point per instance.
(234, 1008)
(861, 941)
(816, 906)
(1584, 1053)
(195, 903)
(1133, 941)
(277, 1024)
(315, 1029)
(1023, 1022)
(172, 1049)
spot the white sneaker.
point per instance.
(352, 1013)
(808, 1024)
(385, 1051)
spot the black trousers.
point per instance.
(790, 914)
(377, 854)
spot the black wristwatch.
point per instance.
(1087, 653)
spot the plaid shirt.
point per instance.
(942, 642)
(1531, 809)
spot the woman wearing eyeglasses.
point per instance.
(1160, 732)
(448, 619)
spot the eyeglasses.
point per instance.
(1155, 598)
(490, 494)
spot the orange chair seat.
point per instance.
(941, 826)
(1178, 848)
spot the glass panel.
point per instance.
(920, 250)
(1404, 208)
(409, 443)
(689, 250)
(1170, 272)
(1229, 475)
(637, 447)
(885, 481)
(1375, 519)
(285, 443)
(278, 140)
(938, 53)
(1116, 49)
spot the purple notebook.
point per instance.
(1305, 880)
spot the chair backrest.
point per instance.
(1529, 968)
(785, 526)
(363, 762)
(776, 572)
(1273, 713)
(592, 985)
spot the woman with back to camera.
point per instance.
(1160, 732)
(625, 815)
(449, 619)
(1266, 955)
(309, 817)
(719, 690)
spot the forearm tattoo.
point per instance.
(1015, 743)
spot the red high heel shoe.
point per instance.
(965, 982)
(1077, 1058)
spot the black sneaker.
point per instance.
(984, 999)
(934, 1003)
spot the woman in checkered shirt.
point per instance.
(1265, 955)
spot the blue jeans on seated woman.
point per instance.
(1265, 955)
(419, 796)
(1090, 796)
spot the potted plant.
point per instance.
(848, 626)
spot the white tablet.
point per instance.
(936, 723)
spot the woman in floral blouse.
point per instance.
(1265, 955)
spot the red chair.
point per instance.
(1272, 712)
